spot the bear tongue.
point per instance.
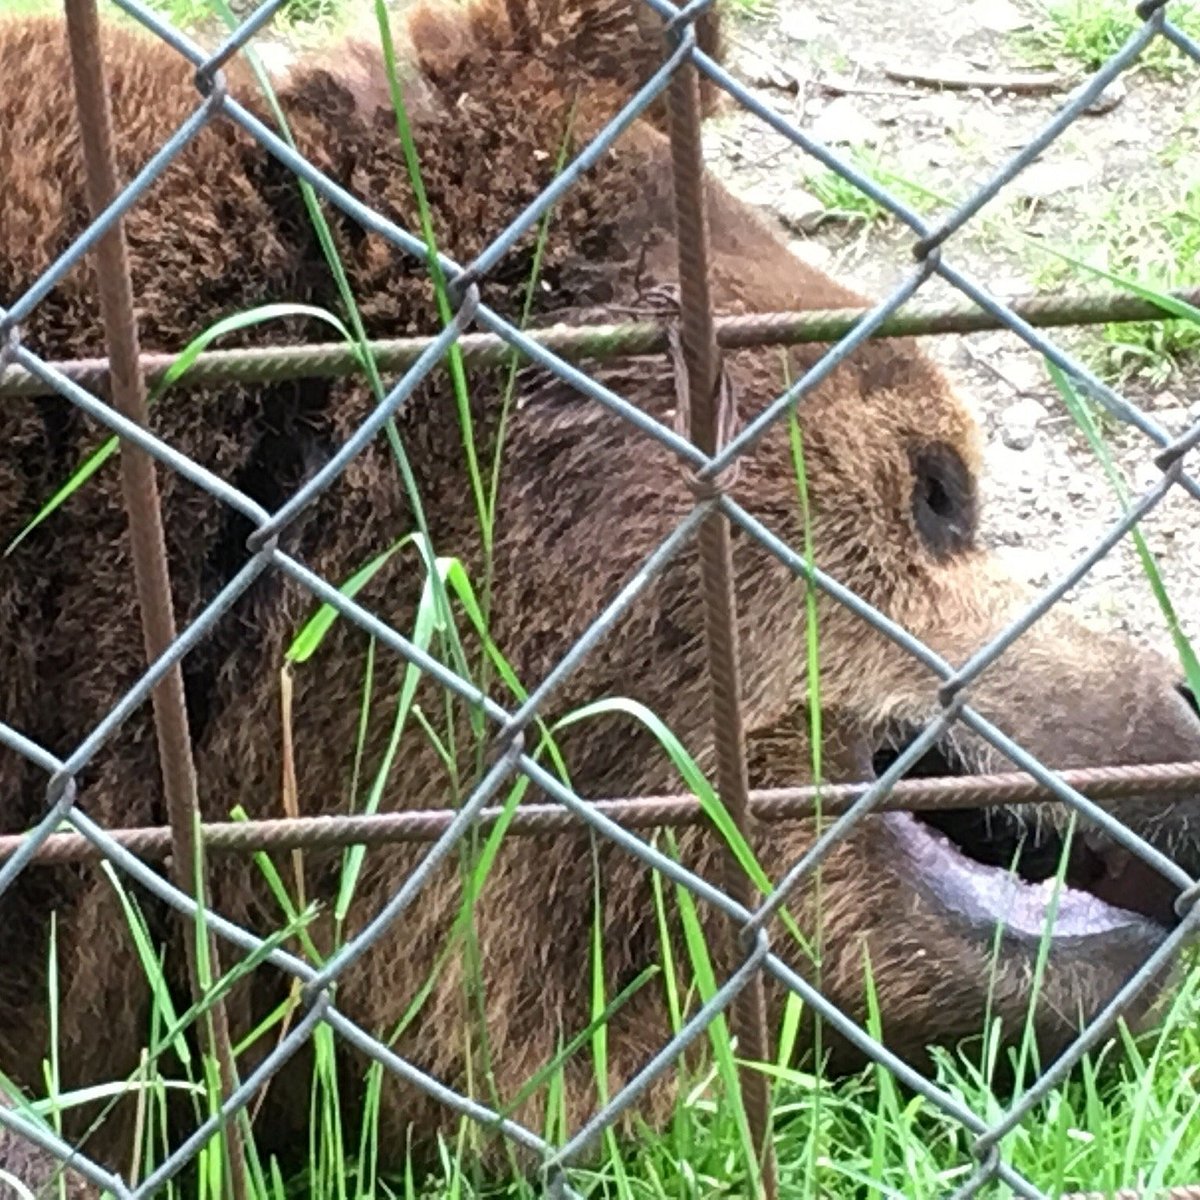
(986, 895)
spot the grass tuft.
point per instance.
(1087, 33)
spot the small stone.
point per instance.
(1031, 409)
(1019, 423)
(1043, 180)
(989, 343)
(1174, 418)
(842, 123)
(800, 211)
(1017, 137)
(770, 76)
(998, 16)
(761, 194)
(800, 25)
(1145, 475)
(1108, 99)
(1025, 372)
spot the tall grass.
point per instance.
(1129, 1116)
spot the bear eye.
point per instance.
(944, 500)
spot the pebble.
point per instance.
(800, 25)
(998, 16)
(768, 75)
(1043, 180)
(1019, 422)
(1174, 418)
(1024, 371)
(800, 211)
(1108, 99)
(841, 123)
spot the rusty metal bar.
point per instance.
(639, 812)
(607, 341)
(707, 404)
(139, 486)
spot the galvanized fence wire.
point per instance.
(750, 919)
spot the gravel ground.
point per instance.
(836, 72)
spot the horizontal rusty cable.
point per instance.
(581, 343)
(768, 804)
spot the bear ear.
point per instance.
(359, 80)
(363, 72)
(615, 43)
(445, 35)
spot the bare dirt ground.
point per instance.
(832, 70)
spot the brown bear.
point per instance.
(496, 95)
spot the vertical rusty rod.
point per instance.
(140, 490)
(701, 359)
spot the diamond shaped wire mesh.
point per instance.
(753, 924)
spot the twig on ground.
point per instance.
(1025, 84)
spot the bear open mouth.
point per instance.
(994, 865)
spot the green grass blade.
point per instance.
(185, 359)
(694, 779)
(1079, 411)
(458, 372)
(718, 1030)
(1168, 303)
(312, 633)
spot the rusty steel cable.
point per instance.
(588, 342)
(153, 843)
(147, 536)
(699, 372)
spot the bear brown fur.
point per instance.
(891, 457)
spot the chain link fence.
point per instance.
(67, 834)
